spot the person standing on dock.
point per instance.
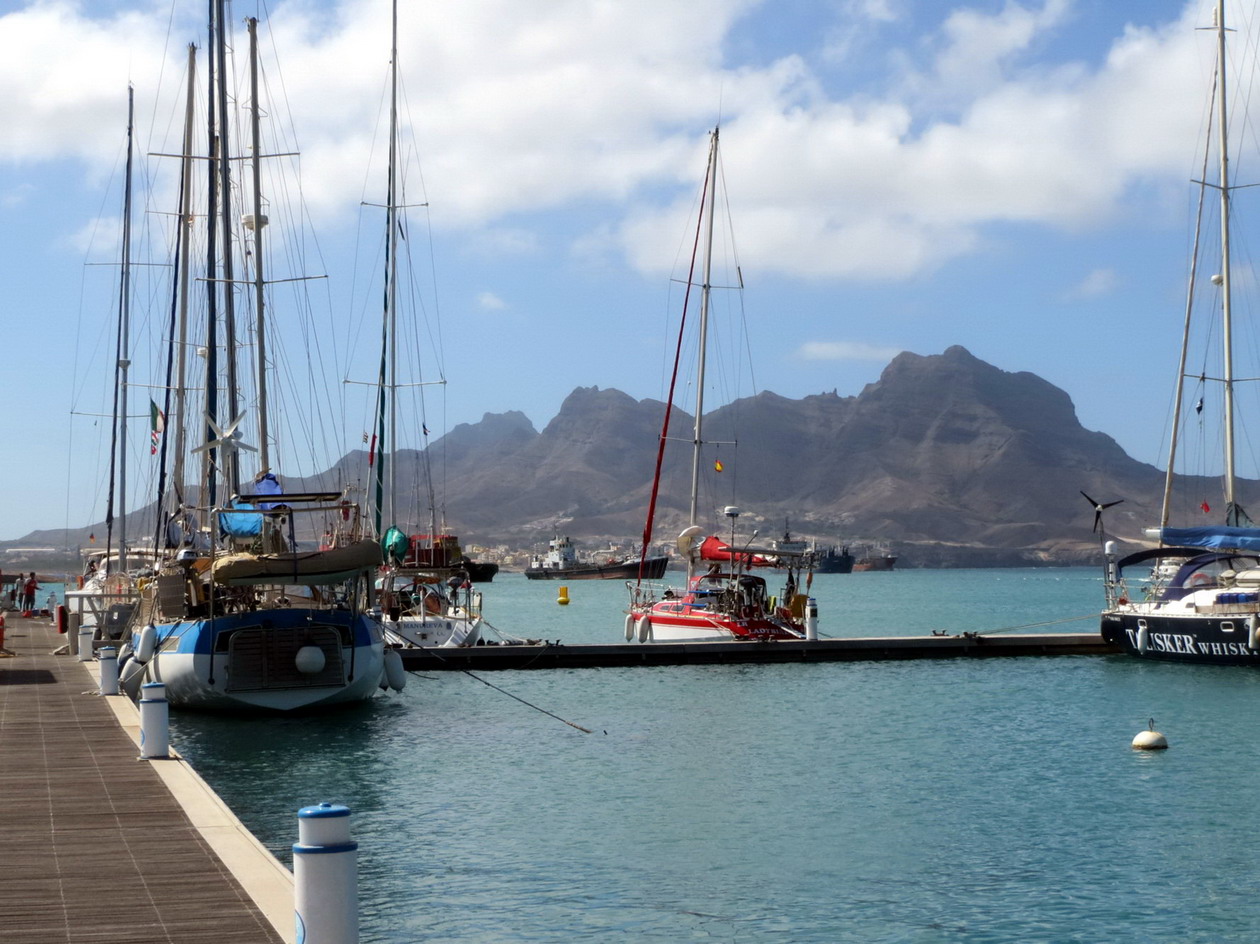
(28, 594)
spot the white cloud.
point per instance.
(525, 109)
(846, 351)
(1096, 284)
(488, 301)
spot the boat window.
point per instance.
(1227, 626)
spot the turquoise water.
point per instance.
(952, 801)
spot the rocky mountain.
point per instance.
(945, 460)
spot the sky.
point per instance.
(901, 175)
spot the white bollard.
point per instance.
(811, 619)
(155, 733)
(109, 670)
(85, 644)
(325, 876)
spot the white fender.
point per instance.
(645, 628)
(394, 670)
(146, 643)
(629, 627)
(131, 675)
(1253, 625)
(309, 660)
(1144, 637)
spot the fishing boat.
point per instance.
(561, 562)
(1195, 597)
(721, 599)
(249, 609)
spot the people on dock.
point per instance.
(28, 594)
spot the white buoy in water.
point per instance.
(1150, 739)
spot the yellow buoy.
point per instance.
(563, 598)
(1150, 740)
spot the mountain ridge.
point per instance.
(945, 459)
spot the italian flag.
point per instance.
(157, 423)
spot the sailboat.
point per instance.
(106, 592)
(1195, 598)
(722, 599)
(246, 612)
(427, 597)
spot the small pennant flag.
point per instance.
(365, 437)
(1206, 508)
(717, 465)
(156, 426)
(92, 538)
(425, 428)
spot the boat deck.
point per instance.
(101, 847)
(555, 655)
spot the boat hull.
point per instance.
(436, 630)
(246, 662)
(653, 569)
(1193, 639)
(873, 564)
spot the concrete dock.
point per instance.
(555, 655)
(99, 846)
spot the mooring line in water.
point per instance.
(1070, 619)
(524, 702)
(510, 695)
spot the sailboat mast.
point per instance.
(705, 290)
(225, 205)
(186, 221)
(124, 344)
(391, 270)
(1227, 339)
(259, 223)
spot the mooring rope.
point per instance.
(1070, 619)
(505, 692)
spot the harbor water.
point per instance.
(985, 800)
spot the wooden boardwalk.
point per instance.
(95, 846)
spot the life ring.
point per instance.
(1202, 580)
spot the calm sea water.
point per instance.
(934, 801)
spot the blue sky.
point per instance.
(1008, 175)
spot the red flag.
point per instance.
(717, 465)
(372, 451)
(1206, 508)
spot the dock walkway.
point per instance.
(98, 846)
(556, 655)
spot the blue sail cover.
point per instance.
(1218, 536)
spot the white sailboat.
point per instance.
(426, 599)
(244, 614)
(1195, 598)
(723, 599)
